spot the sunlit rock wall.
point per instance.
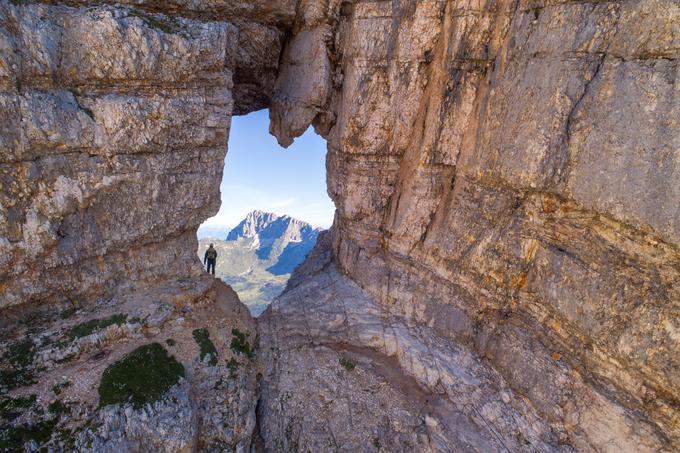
(113, 131)
(507, 173)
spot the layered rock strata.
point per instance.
(114, 130)
(505, 173)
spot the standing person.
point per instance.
(210, 258)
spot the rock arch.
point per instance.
(506, 174)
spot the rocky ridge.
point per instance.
(506, 181)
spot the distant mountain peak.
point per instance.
(264, 225)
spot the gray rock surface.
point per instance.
(506, 176)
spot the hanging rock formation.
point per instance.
(503, 269)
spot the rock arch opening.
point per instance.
(274, 205)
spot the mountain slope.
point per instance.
(259, 254)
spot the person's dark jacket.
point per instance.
(210, 255)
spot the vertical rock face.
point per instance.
(114, 130)
(506, 175)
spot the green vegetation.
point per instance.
(233, 365)
(165, 24)
(20, 357)
(13, 438)
(68, 312)
(347, 364)
(67, 358)
(376, 443)
(143, 376)
(89, 327)
(57, 408)
(58, 388)
(239, 344)
(11, 408)
(202, 337)
(170, 342)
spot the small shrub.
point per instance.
(347, 364)
(13, 438)
(170, 342)
(202, 337)
(141, 377)
(11, 408)
(68, 312)
(165, 24)
(240, 345)
(57, 408)
(58, 388)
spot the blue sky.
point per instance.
(259, 174)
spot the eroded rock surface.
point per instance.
(114, 130)
(506, 175)
(53, 393)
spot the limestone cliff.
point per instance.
(506, 175)
(114, 130)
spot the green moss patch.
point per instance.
(19, 356)
(59, 388)
(202, 337)
(89, 327)
(165, 24)
(11, 408)
(240, 345)
(13, 438)
(347, 364)
(66, 314)
(233, 365)
(141, 377)
(58, 408)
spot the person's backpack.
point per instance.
(212, 254)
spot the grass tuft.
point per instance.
(19, 356)
(11, 408)
(165, 24)
(89, 327)
(68, 312)
(347, 364)
(233, 365)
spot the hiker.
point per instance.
(210, 258)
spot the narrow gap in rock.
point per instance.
(274, 204)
